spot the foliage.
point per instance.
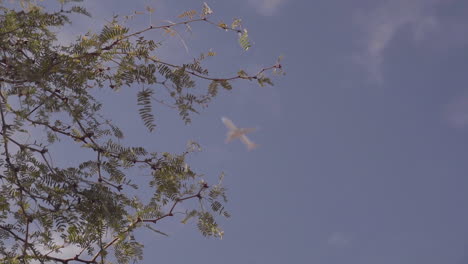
(48, 85)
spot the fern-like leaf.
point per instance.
(144, 101)
(206, 10)
(190, 14)
(244, 40)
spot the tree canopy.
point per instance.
(47, 96)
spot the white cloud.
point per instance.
(338, 239)
(456, 112)
(266, 7)
(381, 24)
(68, 251)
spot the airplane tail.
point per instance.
(248, 143)
(252, 146)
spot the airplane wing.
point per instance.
(228, 123)
(250, 145)
(247, 130)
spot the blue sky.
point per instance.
(362, 155)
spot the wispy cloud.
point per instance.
(338, 239)
(267, 7)
(381, 24)
(67, 251)
(456, 112)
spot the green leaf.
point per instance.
(213, 88)
(225, 84)
(189, 216)
(206, 11)
(145, 110)
(244, 40)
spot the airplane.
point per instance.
(239, 133)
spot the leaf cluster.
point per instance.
(96, 204)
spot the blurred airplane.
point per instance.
(239, 133)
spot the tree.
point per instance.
(51, 86)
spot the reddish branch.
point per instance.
(139, 220)
(89, 138)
